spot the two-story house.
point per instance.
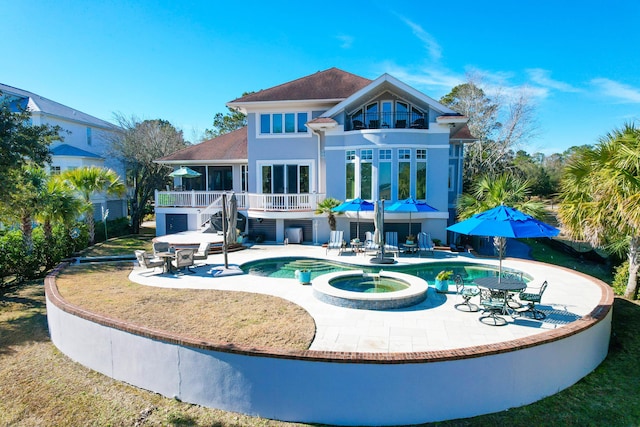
(329, 134)
(86, 140)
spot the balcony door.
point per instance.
(285, 179)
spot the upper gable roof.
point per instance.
(333, 84)
(227, 147)
(37, 103)
(387, 82)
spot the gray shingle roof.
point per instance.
(41, 104)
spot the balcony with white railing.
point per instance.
(246, 201)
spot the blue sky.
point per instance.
(182, 61)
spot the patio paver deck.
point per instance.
(429, 326)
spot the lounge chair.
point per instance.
(391, 243)
(425, 244)
(466, 292)
(147, 261)
(369, 244)
(335, 241)
(531, 298)
(203, 252)
(184, 260)
(374, 124)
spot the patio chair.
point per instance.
(374, 124)
(335, 241)
(203, 252)
(184, 260)
(466, 292)
(357, 125)
(425, 244)
(391, 243)
(401, 124)
(147, 261)
(369, 244)
(160, 247)
(418, 124)
(493, 305)
(531, 298)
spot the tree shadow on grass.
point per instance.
(22, 316)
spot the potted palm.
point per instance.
(411, 239)
(442, 280)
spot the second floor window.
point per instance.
(283, 123)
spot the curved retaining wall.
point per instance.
(335, 388)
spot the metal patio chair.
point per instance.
(466, 292)
(531, 299)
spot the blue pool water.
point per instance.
(285, 268)
(375, 285)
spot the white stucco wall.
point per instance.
(311, 389)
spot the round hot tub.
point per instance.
(371, 291)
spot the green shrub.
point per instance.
(16, 262)
(620, 278)
(115, 228)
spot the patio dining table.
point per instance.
(167, 257)
(502, 286)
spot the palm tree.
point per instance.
(59, 205)
(325, 208)
(506, 189)
(600, 197)
(29, 182)
(488, 192)
(90, 180)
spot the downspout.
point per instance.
(318, 175)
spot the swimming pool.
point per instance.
(285, 267)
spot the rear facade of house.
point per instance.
(331, 134)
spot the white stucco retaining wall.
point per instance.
(334, 388)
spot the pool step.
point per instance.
(308, 264)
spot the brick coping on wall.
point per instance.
(597, 314)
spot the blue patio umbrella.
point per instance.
(410, 205)
(356, 205)
(503, 222)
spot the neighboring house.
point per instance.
(330, 134)
(86, 141)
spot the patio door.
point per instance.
(285, 179)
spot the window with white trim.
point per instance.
(245, 178)
(384, 174)
(350, 174)
(366, 174)
(283, 123)
(421, 174)
(404, 173)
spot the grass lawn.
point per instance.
(41, 386)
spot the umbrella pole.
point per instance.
(224, 230)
